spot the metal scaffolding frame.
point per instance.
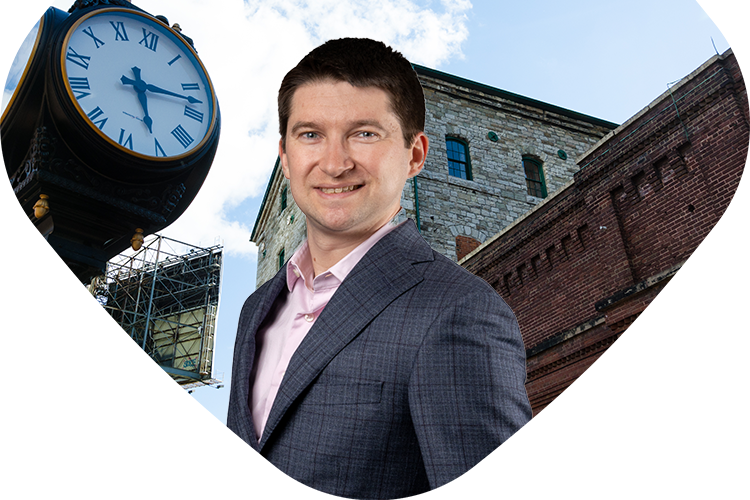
(166, 297)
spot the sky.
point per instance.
(604, 59)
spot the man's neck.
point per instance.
(327, 250)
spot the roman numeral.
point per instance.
(128, 143)
(76, 58)
(149, 40)
(96, 113)
(175, 59)
(190, 86)
(158, 151)
(182, 136)
(78, 84)
(120, 33)
(90, 33)
(194, 114)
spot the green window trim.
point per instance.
(459, 162)
(534, 172)
(283, 199)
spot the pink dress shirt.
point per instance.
(291, 318)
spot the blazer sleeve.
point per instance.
(466, 390)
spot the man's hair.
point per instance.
(361, 62)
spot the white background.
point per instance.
(663, 413)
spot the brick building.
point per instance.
(493, 156)
(580, 267)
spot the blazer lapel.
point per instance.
(383, 274)
(248, 328)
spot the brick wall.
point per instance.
(580, 267)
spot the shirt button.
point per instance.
(296, 272)
(309, 318)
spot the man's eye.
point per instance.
(366, 134)
(309, 135)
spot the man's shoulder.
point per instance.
(437, 269)
(443, 281)
(447, 275)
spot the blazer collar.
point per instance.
(383, 274)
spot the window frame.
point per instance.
(467, 164)
(541, 182)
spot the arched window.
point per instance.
(534, 172)
(458, 158)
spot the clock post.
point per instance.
(110, 131)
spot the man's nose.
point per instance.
(336, 159)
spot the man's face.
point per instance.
(345, 158)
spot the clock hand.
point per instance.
(140, 87)
(157, 90)
(146, 119)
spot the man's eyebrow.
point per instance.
(300, 125)
(368, 123)
(359, 123)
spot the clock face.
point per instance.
(20, 66)
(138, 84)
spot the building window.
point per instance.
(458, 158)
(281, 258)
(283, 199)
(534, 172)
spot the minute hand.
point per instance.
(157, 90)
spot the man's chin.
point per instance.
(340, 228)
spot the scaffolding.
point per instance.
(166, 297)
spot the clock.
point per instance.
(112, 125)
(138, 87)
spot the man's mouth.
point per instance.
(340, 189)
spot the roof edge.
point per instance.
(528, 101)
(658, 100)
(265, 198)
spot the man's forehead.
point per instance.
(312, 102)
(309, 91)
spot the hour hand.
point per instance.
(140, 88)
(146, 119)
(158, 90)
(127, 81)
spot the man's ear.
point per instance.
(283, 158)
(418, 151)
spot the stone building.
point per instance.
(493, 156)
(580, 267)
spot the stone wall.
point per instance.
(276, 229)
(496, 195)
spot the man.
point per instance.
(370, 366)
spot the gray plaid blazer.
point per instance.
(412, 374)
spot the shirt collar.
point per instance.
(300, 265)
